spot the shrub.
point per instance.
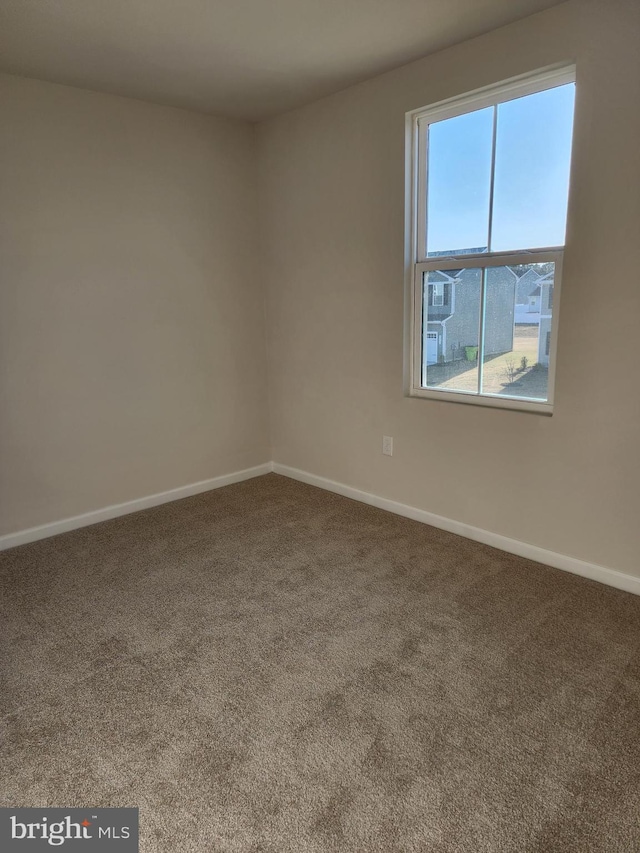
(510, 369)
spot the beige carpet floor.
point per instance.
(270, 667)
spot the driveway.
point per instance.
(501, 374)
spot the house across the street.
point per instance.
(452, 312)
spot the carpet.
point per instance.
(271, 667)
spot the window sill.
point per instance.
(486, 400)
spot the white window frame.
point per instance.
(418, 263)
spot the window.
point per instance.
(489, 181)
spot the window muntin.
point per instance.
(489, 221)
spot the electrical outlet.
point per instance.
(387, 445)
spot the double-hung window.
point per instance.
(488, 208)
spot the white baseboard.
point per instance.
(32, 534)
(610, 577)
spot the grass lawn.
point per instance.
(530, 382)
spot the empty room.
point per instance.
(320, 426)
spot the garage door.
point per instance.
(432, 347)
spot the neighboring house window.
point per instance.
(438, 294)
(488, 206)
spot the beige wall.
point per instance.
(131, 318)
(332, 205)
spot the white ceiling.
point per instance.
(245, 58)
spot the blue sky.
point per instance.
(533, 150)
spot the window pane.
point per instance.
(451, 322)
(517, 330)
(533, 152)
(458, 181)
